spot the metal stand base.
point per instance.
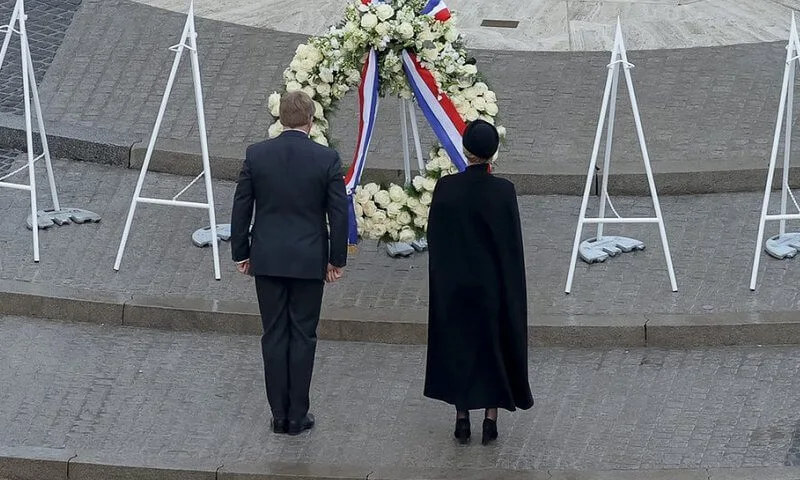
(783, 246)
(399, 249)
(420, 245)
(48, 218)
(202, 238)
(594, 250)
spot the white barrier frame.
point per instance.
(619, 57)
(786, 106)
(189, 35)
(30, 92)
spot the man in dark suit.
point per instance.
(295, 185)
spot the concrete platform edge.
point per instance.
(33, 463)
(396, 326)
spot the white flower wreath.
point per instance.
(328, 66)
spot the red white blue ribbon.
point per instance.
(368, 112)
(438, 109)
(436, 9)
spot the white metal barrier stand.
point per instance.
(189, 35)
(600, 248)
(30, 92)
(784, 245)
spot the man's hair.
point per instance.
(297, 109)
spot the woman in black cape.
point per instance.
(478, 327)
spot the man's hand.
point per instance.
(334, 273)
(244, 267)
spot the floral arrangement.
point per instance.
(327, 67)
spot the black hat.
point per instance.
(481, 139)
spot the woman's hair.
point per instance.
(297, 109)
(471, 158)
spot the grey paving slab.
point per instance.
(704, 109)
(712, 239)
(48, 21)
(141, 394)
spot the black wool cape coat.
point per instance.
(477, 321)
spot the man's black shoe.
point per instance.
(280, 425)
(297, 427)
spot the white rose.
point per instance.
(301, 76)
(393, 228)
(451, 35)
(404, 218)
(397, 194)
(501, 131)
(309, 91)
(482, 88)
(293, 86)
(407, 235)
(421, 211)
(297, 64)
(412, 203)
(430, 184)
(479, 104)
(490, 96)
(383, 29)
(426, 36)
(426, 198)
(362, 196)
(469, 69)
(319, 112)
(419, 183)
(349, 27)
(384, 12)
(360, 223)
(377, 231)
(383, 199)
(369, 21)
(471, 93)
(372, 189)
(394, 209)
(313, 54)
(301, 50)
(326, 75)
(472, 115)
(275, 129)
(370, 209)
(491, 109)
(359, 211)
(420, 222)
(379, 217)
(405, 30)
(324, 90)
(275, 104)
(308, 64)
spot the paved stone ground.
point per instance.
(160, 396)
(704, 108)
(47, 24)
(7, 158)
(712, 238)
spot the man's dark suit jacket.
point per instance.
(295, 184)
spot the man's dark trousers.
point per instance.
(290, 310)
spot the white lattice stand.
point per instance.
(56, 215)
(602, 247)
(784, 245)
(408, 111)
(188, 42)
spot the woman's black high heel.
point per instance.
(462, 432)
(489, 431)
